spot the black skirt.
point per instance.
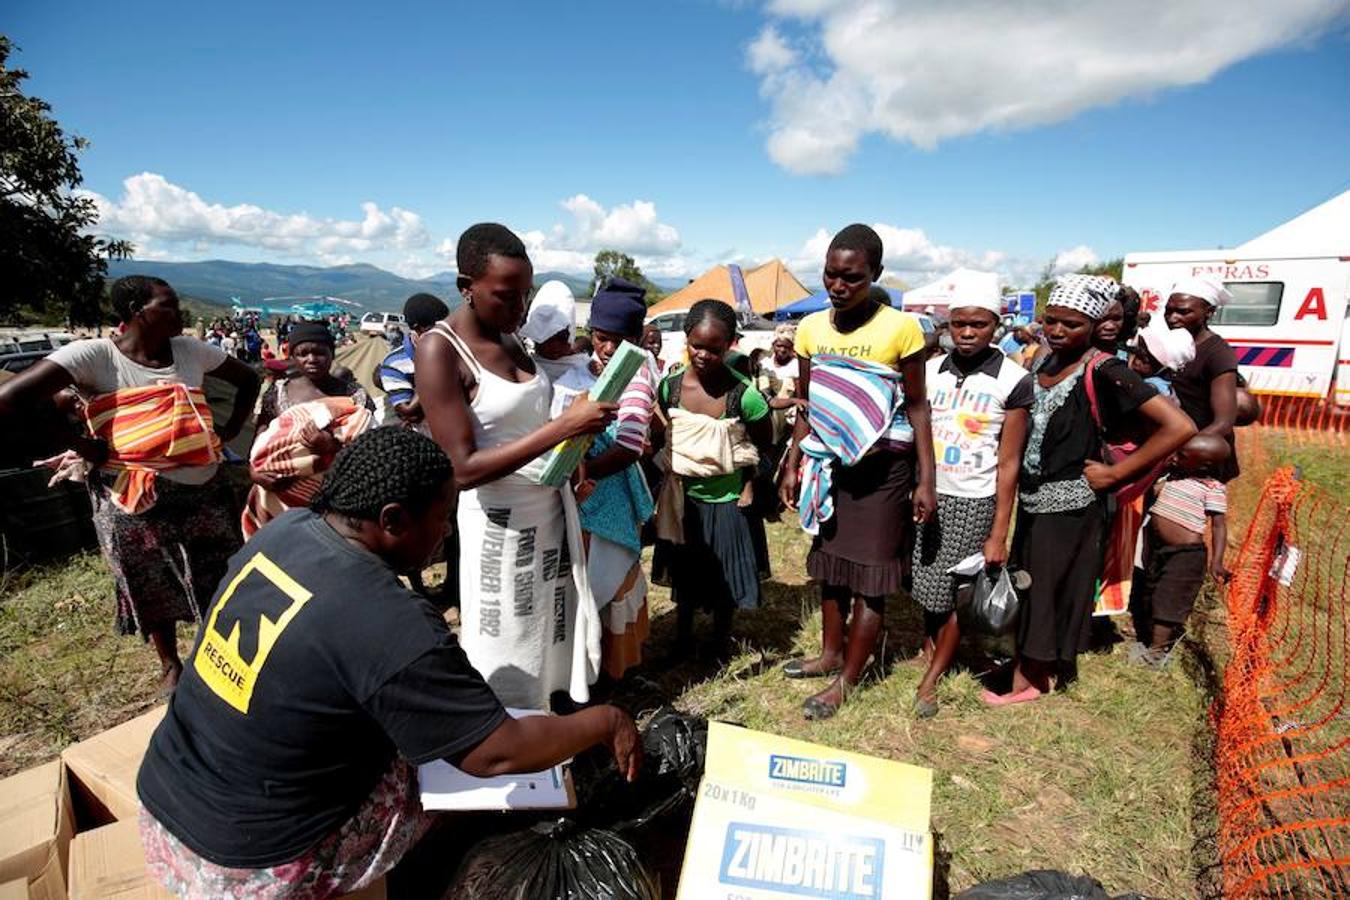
(716, 565)
(865, 545)
(1063, 552)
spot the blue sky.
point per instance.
(690, 133)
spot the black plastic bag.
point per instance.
(1044, 884)
(608, 847)
(554, 860)
(673, 746)
(988, 606)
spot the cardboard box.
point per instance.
(103, 769)
(14, 890)
(36, 826)
(108, 863)
(781, 818)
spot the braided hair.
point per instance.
(383, 466)
(131, 292)
(711, 309)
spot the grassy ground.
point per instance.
(1112, 778)
(1109, 778)
(1066, 783)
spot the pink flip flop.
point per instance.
(1023, 696)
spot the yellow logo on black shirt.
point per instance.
(229, 661)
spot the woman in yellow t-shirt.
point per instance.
(860, 553)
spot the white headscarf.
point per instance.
(977, 289)
(554, 309)
(1171, 347)
(1207, 289)
(1089, 294)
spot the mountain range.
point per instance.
(216, 281)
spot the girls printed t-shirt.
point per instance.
(968, 409)
(886, 338)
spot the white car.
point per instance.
(671, 326)
(377, 322)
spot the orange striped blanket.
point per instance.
(151, 430)
(286, 448)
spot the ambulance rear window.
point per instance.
(1253, 303)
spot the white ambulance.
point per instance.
(1291, 286)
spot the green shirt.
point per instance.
(722, 488)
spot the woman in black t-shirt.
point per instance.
(1206, 387)
(285, 765)
(1062, 515)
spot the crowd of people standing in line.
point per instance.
(241, 335)
(319, 678)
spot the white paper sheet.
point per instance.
(444, 787)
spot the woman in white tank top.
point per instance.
(528, 623)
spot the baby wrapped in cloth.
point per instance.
(299, 444)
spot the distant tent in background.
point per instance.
(769, 287)
(938, 294)
(821, 300)
(1323, 230)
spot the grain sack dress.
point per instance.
(528, 621)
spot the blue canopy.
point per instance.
(818, 301)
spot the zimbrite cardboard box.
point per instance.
(781, 818)
(36, 826)
(108, 863)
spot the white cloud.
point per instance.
(907, 253)
(769, 52)
(167, 221)
(154, 211)
(1073, 259)
(632, 228)
(921, 71)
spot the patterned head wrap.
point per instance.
(1088, 294)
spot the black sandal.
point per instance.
(817, 710)
(796, 668)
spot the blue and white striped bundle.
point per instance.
(855, 405)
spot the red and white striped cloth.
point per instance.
(285, 449)
(148, 430)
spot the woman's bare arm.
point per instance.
(446, 405)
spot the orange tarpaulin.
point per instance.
(769, 286)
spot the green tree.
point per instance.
(1043, 286)
(50, 266)
(615, 264)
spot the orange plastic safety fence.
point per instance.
(1306, 421)
(1282, 719)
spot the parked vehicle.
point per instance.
(1291, 290)
(756, 333)
(1286, 322)
(377, 322)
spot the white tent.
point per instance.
(1321, 231)
(939, 294)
